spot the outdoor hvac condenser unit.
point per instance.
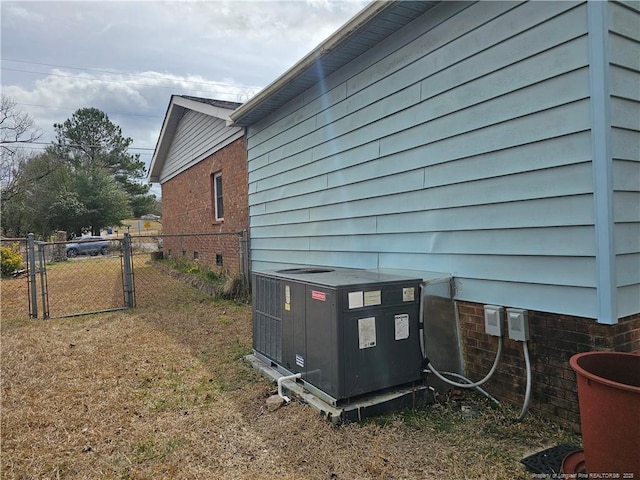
(348, 332)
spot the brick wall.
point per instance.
(205, 249)
(187, 207)
(553, 340)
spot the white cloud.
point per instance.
(133, 55)
(132, 98)
(22, 14)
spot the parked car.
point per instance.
(88, 246)
(150, 216)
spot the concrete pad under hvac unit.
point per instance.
(367, 406)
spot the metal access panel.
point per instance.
(293, 327)
(349, 332)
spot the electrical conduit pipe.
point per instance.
(284, 379)
(527, 393)
(462, 377)
(469, 383)
(476, 385)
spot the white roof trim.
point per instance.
(207, 109)
(328, 45)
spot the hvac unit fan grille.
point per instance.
(267, 317)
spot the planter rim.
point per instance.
(573, 362)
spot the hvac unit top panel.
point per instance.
(337, 277)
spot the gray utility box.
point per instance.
(348, 332)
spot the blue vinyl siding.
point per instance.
(554, 299)
(416, 190)
(515, 241)
(460, 144)
(624, 58)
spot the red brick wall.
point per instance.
(187, 207)
(553, 340)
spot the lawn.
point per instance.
(162, 391)
(137, 226)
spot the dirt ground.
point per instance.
(163, 392)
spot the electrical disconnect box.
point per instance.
(348, 332)
(518, 321)
(493, 320)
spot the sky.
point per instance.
(128, 57)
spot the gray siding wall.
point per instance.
(624, 58)
(197, 136)
(460, 145)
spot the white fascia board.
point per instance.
(366, 14)
(207, 109)
(167, 131)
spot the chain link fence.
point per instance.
(15, 288)
(209, 261)
(89, 275)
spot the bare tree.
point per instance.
(245, 94)
(16, 128)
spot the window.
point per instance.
(218, 207)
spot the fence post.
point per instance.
(241, 255)
(33, 304)
(244, 256)
(43, 280)
(128, 271)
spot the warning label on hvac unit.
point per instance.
(318, 295)
(287, 298)
(367, 332)
(402, 326)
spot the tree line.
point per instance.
(84, 181)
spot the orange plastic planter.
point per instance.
(609, 398)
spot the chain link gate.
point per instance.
(98, 281)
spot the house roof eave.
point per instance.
(330, 52)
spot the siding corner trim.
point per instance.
(600, 107)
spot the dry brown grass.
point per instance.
(163, 392)
(84, 284)
(88, 284)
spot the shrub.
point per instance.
(11, 259)
(235, 288)
(221, 284)
(181, 264)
